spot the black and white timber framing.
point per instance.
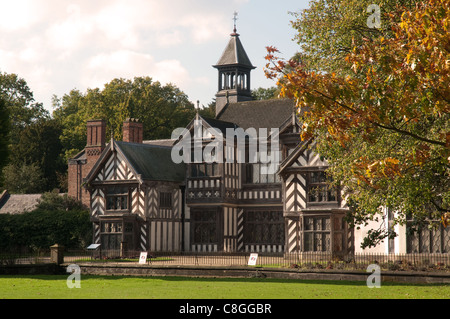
(140, 200)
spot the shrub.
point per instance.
(57, 219)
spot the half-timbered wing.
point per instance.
(135, 197)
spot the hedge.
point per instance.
(42, 228)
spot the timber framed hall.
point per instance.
(140, 200)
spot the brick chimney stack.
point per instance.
(96, 137)
(81, 165)
(133, 131)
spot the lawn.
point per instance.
(118, 287)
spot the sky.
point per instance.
(61, 45)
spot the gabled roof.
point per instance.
(292, 121)
(220, 125)
(152, 162)
(206, 122)
(147, 161)
(234, 54)
(164, 142)
(259, 114)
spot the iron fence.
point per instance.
(306, 260)
(24, 256)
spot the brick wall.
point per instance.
(81, 165)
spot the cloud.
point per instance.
(170, 38)
(68, 34)
(18, 14)
(102, 68)
(60, 45)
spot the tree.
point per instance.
(39, 144)
(19, 100)
(209, 111)
(4, 136)
(161, 108)
(24, 114)
(384, 127)
(67, 111)
(56, 219)
(265, 94)
(23, 178)
(328, 30)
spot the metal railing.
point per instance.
(24, 257)
(306, 260)
(301, 261)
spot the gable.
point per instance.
(309, 158)
(291, 126)
(123, 161)
(115, 168)
(303, 155)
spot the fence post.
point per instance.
(57, 254)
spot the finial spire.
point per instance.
(235, 19)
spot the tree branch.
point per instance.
(392, 128)
(423, 139)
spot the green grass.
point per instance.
(118, 287)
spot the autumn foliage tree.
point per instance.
(384, 126)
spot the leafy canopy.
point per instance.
(161, 108)
(380, 109)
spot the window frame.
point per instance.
(203, 170)
(253, 175)
(264, 223)
(311, 236)
(124, 230)
(121, 193)
(421, 239)
(165, 200)
(321, 187)
(205, 227)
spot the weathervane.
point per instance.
(235, 19)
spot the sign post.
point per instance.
(252, 259)
(143, 258)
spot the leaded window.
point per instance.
(426, 239)
(264, 227)
(319, 190)
(111, 235)
(204, 226)
(317, 234)
(114, 232)
(256, 174)
(117, 198)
